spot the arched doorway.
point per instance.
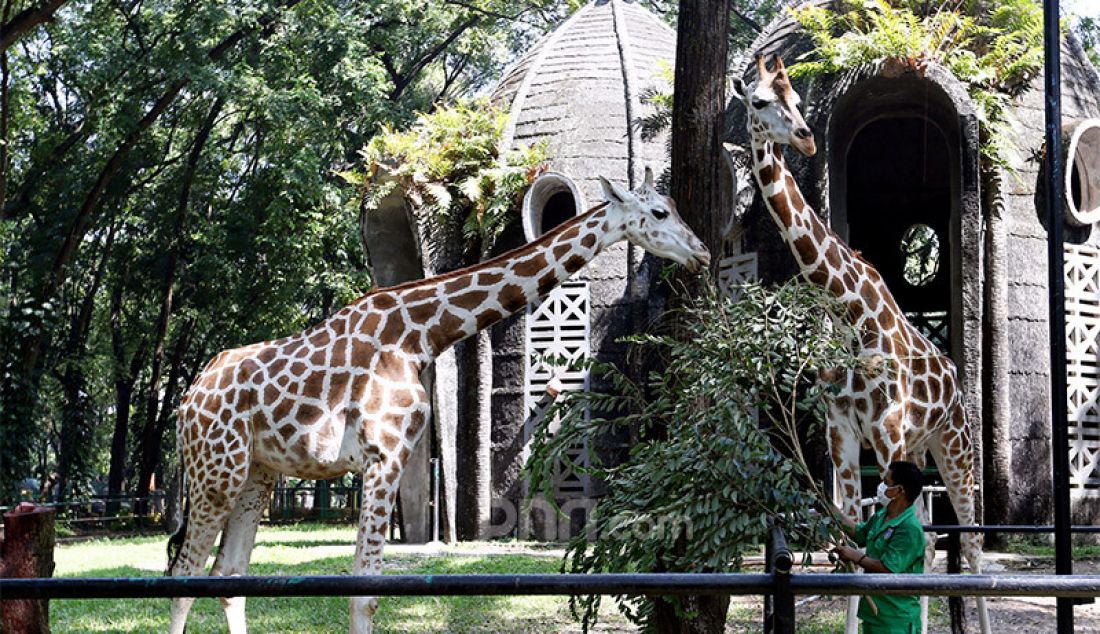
(904, 192)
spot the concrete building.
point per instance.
(899, 158)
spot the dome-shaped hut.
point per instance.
(580, 90)
(899, 155)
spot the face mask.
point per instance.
(883, 499)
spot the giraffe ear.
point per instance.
(612, 192)
(737, 87)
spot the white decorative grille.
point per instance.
(557, 329)
(735, 270)
(1083, 365)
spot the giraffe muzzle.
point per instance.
(698, 261)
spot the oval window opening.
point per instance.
(558, 209)
(1083, 174)
(920, 255)
(551, 200)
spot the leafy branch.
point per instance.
(720, 459)
(449, 163)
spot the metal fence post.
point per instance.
(778, 606)
(954, 566)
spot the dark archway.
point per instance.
(560, 207)
(899, 216)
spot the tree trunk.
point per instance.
(125, 377)
(699, 183)
(475, 438)
(27, 552)
(701, 190)
(76, 424)
(152, 432)
(711, 611)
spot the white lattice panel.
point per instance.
(557, 328)
(735, 270)
(1083, 364)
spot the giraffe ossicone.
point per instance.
(345, 395)
(906, 399)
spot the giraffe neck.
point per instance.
(441, 311)
(823, 258)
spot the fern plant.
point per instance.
(993, 46)
(449, 164)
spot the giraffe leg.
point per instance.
(843, 436)
(239, 537)
(918, 457)
(953, 454)
(379, 491)
(205, 522)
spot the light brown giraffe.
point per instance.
(345, 395)
(906, 400)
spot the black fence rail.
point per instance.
(552, 584)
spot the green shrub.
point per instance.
(720, 461)
(450, 166)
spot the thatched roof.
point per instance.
(581, 89)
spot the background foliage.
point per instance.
(995, 47)
(723, 417)
(449, 164)
(169, 189)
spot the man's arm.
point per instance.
(861, 559)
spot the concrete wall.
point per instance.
(1028, 433)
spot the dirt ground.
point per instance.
(1015, 615)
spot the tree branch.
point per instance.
(26, 20)
(408, 77)
(752, 24)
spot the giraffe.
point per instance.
(345, 395)
(906, 399)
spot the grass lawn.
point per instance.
(327, 550)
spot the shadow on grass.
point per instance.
(330, 614)
(305, 543)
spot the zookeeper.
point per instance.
(894, 542)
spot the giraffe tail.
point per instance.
(175, 542)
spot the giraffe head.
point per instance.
(772, 105)
(648, 219)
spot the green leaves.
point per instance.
(720, 459)
(450, 162)
(993, 46)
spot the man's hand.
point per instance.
(847, 553)
(860, 558)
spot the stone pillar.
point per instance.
(27, 551)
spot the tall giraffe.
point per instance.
(345, 395)
(910, 403)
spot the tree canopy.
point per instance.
(169, 188)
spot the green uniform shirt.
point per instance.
(899, 544)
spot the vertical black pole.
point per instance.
(1055, 201)
(769, 599)
(954, 566)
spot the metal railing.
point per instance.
(779, 585)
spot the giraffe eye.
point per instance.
(759, 104)
(658, 213)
